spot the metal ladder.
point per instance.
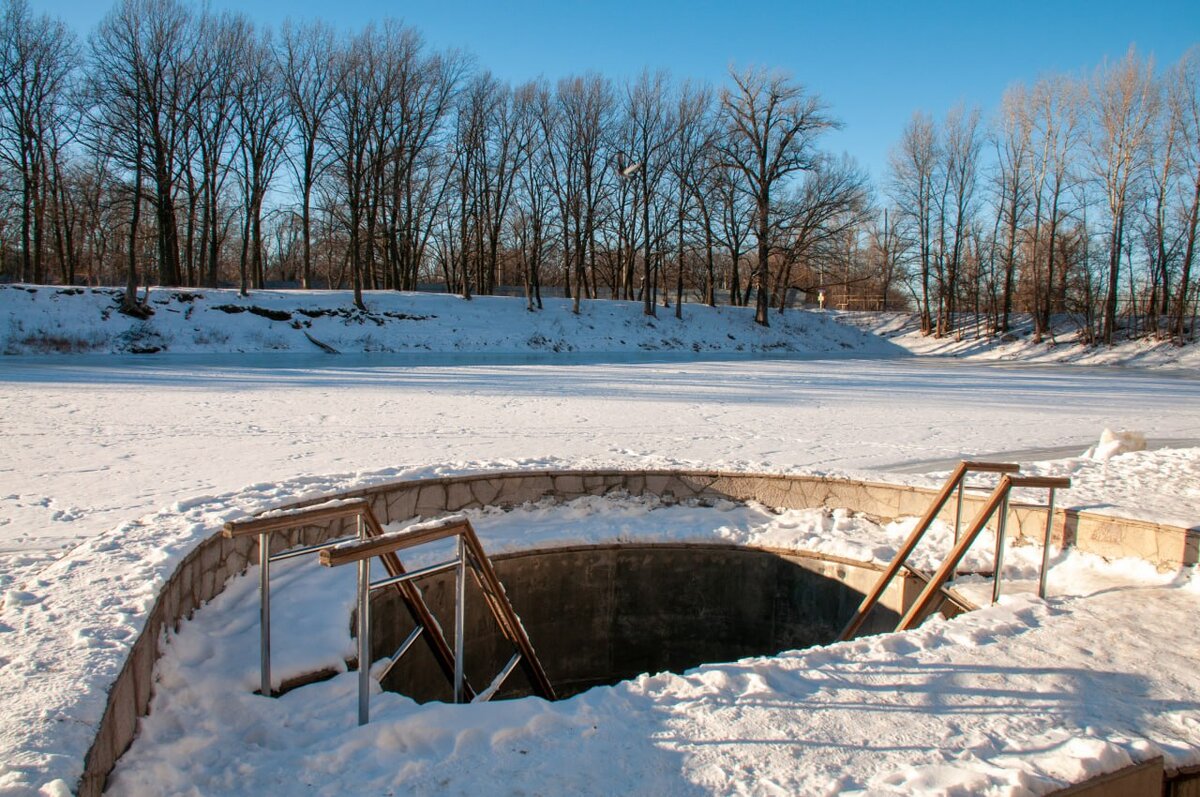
(935, 583)
(369, 541)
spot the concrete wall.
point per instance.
(601, 614)
(202, 574)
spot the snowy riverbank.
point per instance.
(1062, 345)
(49, 320)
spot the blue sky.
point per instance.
(873, 62)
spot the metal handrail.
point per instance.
(366, 525)
(925, 599)
(1051, 484)
(953, 482)
(264, 527)
(997, 501)
(469, 553)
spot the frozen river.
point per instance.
(89, 442)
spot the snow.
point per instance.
(115, 465)
(46, 320)
(838, 533)
(1113, 443)
(1161, 485)
(1061, 345)
(92, 442)
(1023, 697)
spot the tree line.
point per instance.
(186, 147)
(1080, 197)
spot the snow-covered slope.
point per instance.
(45, 320)
(1062, 346)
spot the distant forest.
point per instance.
(178, 146)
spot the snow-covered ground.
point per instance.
(90, 442)
(42, 320)
(113, 466)
(1021, 698)
(1062, 345)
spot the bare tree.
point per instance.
(469, 145)
(954, 202)
(579, 132)
(1057, 125)
(159, 37)
(1012, 137)
(262, 127)
(650, 119)
(354, 116)
(126, 124)
(693, 137)
(1185, 97)
(832, 203)
(307, 67)
(887, 251)
(531, 220)
(1157, 234)
(705, 185)
(912, 176)
(507, 143)
(771, 131)
(1123, 102)
(425, 89)
(736, 207)
(211, 109)
(37, 58)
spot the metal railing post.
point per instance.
(364, 641)
(958, 520)
(1001, 533)
(460, 600)
(1046, 546)
(264, 613)
(958, 512)
(953, 482)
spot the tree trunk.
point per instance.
(1186, 267)
(764, 250)
(129, 302)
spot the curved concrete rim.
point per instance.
(203, 573)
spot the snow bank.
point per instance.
(1061, 346)
(1113, 443)
(64, 637)
(88, 446)
(47, 320)
(1161, 486)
